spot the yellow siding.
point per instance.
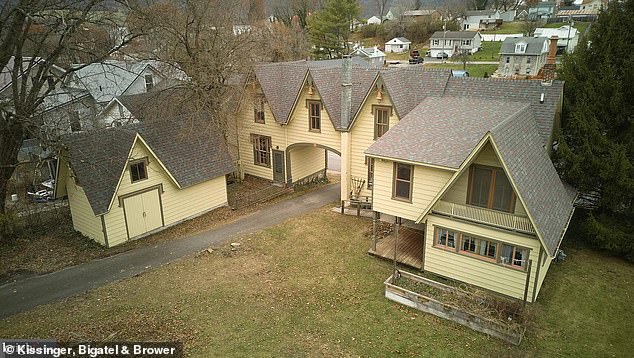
(84, 219)
(458, 191)
(491, 276)
(297, 128)
(306, 161)
(178, 204)
(246, 125)
(363, 136)
(427, 182)
(542, 271)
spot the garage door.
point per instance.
(143, 213)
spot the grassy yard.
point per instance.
(474, 70)
(308, 288)
(514, 27)
(490, 52)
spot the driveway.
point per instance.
(25, 294)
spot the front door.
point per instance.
(278, 166)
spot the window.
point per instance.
(490, 188)
(314, 116)
(446, 238)
(520, 48)
(261, 150)
(513, 256)
(403, 176)
(481, 248)
(435, 42)
(258, 109)
(149, 83)
(138, 170)
(508, 60)
(381, 121)
(528, 60)
(466, 42)
(370, 163)
(75, 122)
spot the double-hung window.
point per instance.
(314, 116)
(258, 109)
(381, 121)
(138, 170)
(403, 177)
(261, 150)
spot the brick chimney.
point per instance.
(346, 91)
(549, 71)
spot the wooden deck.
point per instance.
(409, 251)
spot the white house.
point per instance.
(452, 42)
(398, 44)
(568, 37)
(372, 55)
(374, 20)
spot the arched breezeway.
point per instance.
(305, 160)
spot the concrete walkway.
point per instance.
(22, 295)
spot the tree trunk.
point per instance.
(11, 134)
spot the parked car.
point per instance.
(414, 57)
(428, 53)
(442, 55)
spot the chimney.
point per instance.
(552, 50)
(346, 91)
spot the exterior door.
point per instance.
(143, 213)
(278, 166)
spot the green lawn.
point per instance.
(490, 51)
(514, 27)
(474, 70)
(307, 288)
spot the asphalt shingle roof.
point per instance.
(443, 130)
(534, 45)
(547, 200)
(98, 158)
(454, 35)
(281, 83)
(410, 85)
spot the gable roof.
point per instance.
(453, 126)
(481, 12)
(408, 86)
(445, 131)
(455, 35)
(534, 45)
(398, 40)
(561, 32)
(169, 102)
(108, 79)
(98, 158)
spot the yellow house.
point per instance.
(474, 178)
(125, 183)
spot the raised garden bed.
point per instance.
(497, 317)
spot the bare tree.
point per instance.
(36, 36)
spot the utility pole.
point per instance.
(568, 38)
(444, 41)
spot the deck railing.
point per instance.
(485, 216)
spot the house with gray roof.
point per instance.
(398, 44)
(128, 182)
(522, 56)
(462, 162)
(454, 42)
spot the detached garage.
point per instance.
(128, 182)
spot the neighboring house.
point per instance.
(241, 29)
(523, 56)
(422, 15)
(109, 79)
(398, 44)
(374, 20)
(481, 20)
(374, 56)
(542, 10)
(391, 15)
(568, 37)
(65, 110)
(452, 42)
(163, 103)
(593, 5)
(126, 183)
(293, 113)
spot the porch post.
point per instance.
(396, 225)
(374, 231)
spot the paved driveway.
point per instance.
(25, 294)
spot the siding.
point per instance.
(484, 274)
(458, 191)
(177, 204)
(246, 126)
(427, 183)
(306, 161)
(297, 128)
(542, 272)
(84, 219)
(362, 134)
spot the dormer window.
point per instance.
(149, 83)
(520, 47)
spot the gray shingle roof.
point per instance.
(528, 91)
(98, 157)
(410, 85)
(169, 102)
(547, 200)
(534, 45)
(281, 83)
(443, 131)
(454, 35)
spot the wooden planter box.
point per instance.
(430, 305)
